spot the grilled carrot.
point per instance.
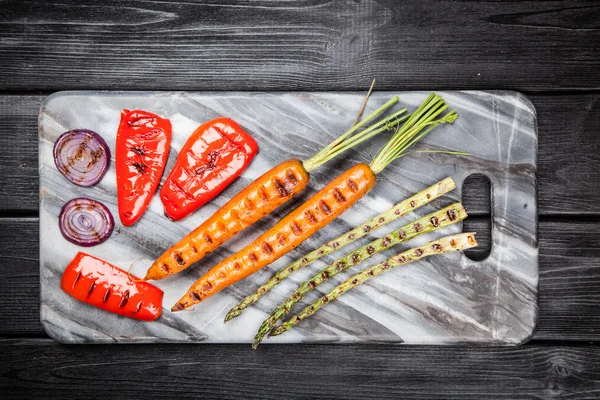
(263, 196)
(318, 211)
(397, 211)
(257, 200)
(288, 233)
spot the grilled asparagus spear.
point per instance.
(446, 244)
(404, 207)
(429, 223)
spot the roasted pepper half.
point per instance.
(215, 154)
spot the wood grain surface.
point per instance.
(568, 287)
(299, 45)
(547, 49)
(568, 155)
(377, 372)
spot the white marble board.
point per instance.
(439, 300)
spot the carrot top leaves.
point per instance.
(355, 136)
(419, 124)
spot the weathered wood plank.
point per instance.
(19, 182)
(568, 160)
(568, 154)
(299, 45)
(312, 45)
(33, 368)
(569, 279)
(20, 277)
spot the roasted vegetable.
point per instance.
(85, 222)
(143, 143)
(260, 198)
(96, 282)
(395, 212)
(446, 244)
(82, 156)
(214, 155)
(429, 223)
(342, 192)
(288, 233)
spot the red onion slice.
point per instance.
(82, 156)
(85, 222)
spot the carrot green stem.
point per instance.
(387, 124)
(399, 210)
(419, 124)
(341, 143)
(429, 223)
(455, 153)
(446, 244)
(364, 103)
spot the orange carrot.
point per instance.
(257, 200)
(261, 197)
(287, 234)
(318, 211)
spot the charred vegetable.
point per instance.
(214, 155)
(397, 211)
(287, 234)
(429, 223)
(85, 222)
(446, 244)
(105, 286)
(82, 156)
(261, 197)
(143, 143)
(318, 211)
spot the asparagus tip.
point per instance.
(230, 315)
(277, 331)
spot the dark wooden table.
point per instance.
(549, 50)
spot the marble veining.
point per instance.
(438, 300)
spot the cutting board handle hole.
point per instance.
(477, 199)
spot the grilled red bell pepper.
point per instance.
(214, 155)
(105, 286)
(143, 143)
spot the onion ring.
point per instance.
(85, 222)
(82, 156)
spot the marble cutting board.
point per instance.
(440, 300)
